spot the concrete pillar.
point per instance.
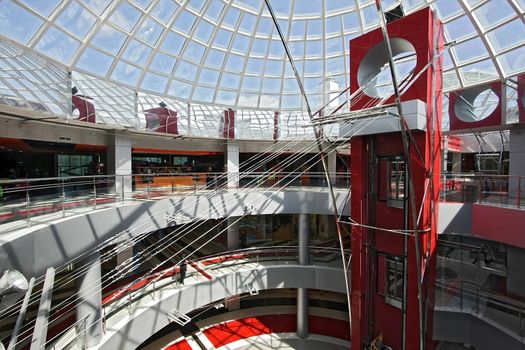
(456, 163)
(89, 302)
(119, 163)
(302, 293)
(516, 270)
(232, 164)
(517, 163)
(233, 233)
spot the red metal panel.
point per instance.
(85, 107)
(162, 119)
(414, 28)
(521, 98)
(494, 119)
(228, 124)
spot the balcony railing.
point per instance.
(503, 190)
(28, 198)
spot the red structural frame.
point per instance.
(371, 313)
(521, 98)
(494, 119)
(85, 107)
(167, 120)
(415, 29)
(228, 124)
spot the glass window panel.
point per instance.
(95, 61)
(126, 73)
(109, 39)
(209, 76)
(126, 16)
(276, 49)
(215, 58)
(450, 80)
(508, 35)
(314, 28)
(269, 101)
(291, 101)
(298, 29)
(16, 23)
(480, 71)
(265, 26)
(338, 5)
(259, 47)
(521, 3)
(370, 17)
(290, 86)
(222, 39)
(154, 82)
(173, 43)
(493, 12)
(255, 66)
(447, 8)
(136, 52)
(45, 8)
(163, 63)
(226, 97)
(76, 19)
(180, 89)
(297, 49)
(164, 10)
(335, 65)
(57, 44)
(149, 31)
(196, 5)
(284, 25)
(274, 67)
(186, 71)
(251, 83)
(350, 22)
(214, 10)
(459, 28)
(231, 18)
(313, 67)
(235, 63)
(240, 43)
(203, 31)
(203, 94)
(513, 61)
(194, 52)
(142, 3)
(271, 85)
(248, 100)
(334, 46)
(248, 22)
(313, 84)
(314, 48)
(231, 81)
(310, 7)
(333, 25)
(469, 50)
(185, 22)
(281, 8)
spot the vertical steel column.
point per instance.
(302, 293)
(38, 341)
(89, 301)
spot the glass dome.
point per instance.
(228, 53)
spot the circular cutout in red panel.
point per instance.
(476, 104)
(374, 71)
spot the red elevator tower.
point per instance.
(385, 292)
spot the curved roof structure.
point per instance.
(227, 52)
